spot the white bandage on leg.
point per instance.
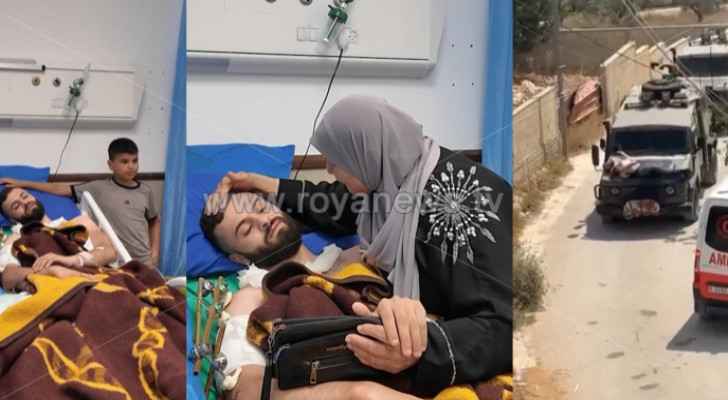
(235, 345)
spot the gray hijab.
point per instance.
(385, 149)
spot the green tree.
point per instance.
(533, 23)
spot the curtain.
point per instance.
(173, 246)
(497, 142)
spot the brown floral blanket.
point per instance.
(120, 335)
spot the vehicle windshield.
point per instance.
(650, 141)
(704, 67)
(716, 234)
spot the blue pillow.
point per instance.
(202, 258)
(206, 165)
(316, 241)
(38, 174)
(221, 158)
(56, 206)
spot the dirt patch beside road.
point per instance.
(533, 381)
(542, 384)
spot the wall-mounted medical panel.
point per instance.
(36, 95)
(384, 38)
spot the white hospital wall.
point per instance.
(277, 110)
(139, 33)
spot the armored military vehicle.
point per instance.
(660, 151)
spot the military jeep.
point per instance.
(662, 133)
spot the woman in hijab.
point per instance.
(439, 226)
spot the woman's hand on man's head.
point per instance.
(238, 182)
(232, 182)
(243, 182)
(247, 182)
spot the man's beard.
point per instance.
(34, 216)
(287, 245)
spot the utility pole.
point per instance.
(559, 69)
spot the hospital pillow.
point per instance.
(316, 241)
(56, 206)
(25, 172)
(221, 158)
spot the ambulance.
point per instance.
(710, 279)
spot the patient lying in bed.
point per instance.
(252, 229)
(91, 331)
(19, 206)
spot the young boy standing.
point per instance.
(127, 203)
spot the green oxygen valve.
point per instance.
(75, 90)
(338, 15)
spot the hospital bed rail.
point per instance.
(89, 207)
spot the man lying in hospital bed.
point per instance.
(20, 207)
(127, 202)
(82, 329)
(278, 241)
(252, 226)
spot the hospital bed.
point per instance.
(90, 208)
(14, 305)
(206, 165)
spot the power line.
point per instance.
(594, 42)
(685, 72)
(710, 97)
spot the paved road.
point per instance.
(618, 322)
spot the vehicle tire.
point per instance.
(692, 215)
(702, 309)
(710, 174)
(663, 84)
